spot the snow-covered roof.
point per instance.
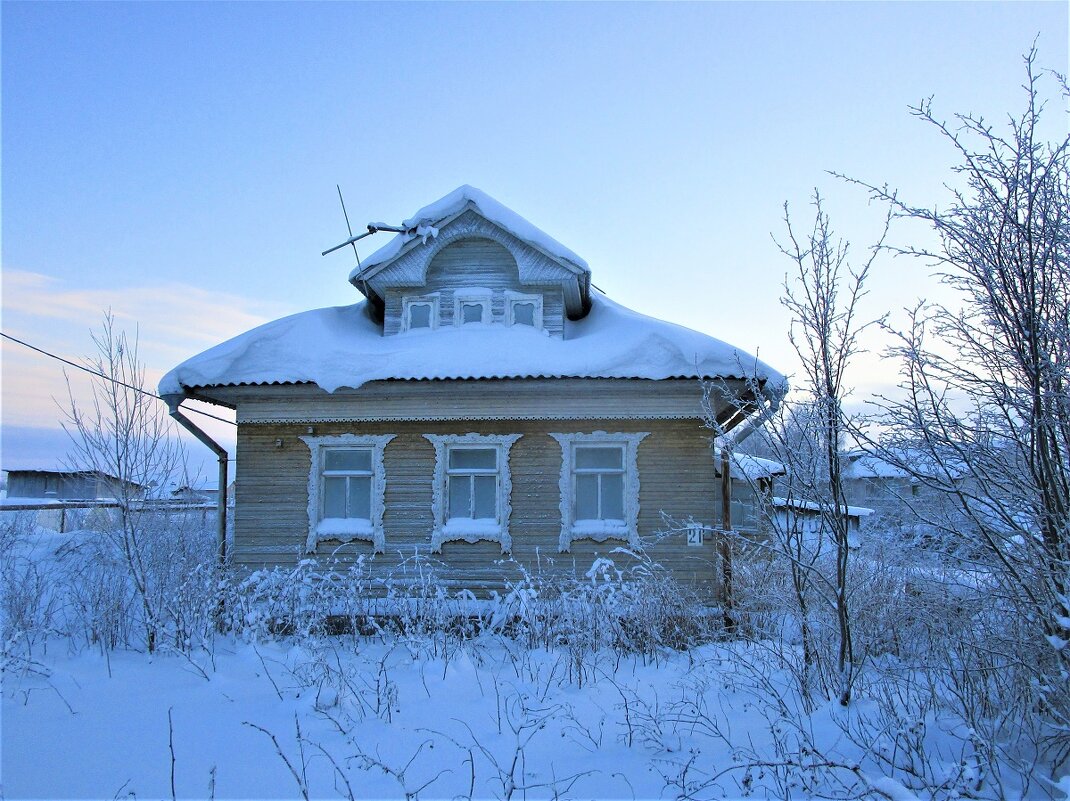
(343, 347)
(814, 506)
(424, 225)
(751, 468)
(863, 464)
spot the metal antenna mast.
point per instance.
(349, 227)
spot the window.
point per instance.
(599, 487)
(599, 482)
(523, 309)
(471, 306)
(420, 312)
(471, 488)
(346, 489)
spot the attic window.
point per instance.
(523, 309)
(471, 306)
(420, 312)
(472, 312)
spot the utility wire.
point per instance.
(89, 370)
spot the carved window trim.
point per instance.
(373, 533)
(513, 298)
(629, 531)
(408, 302)
(472, 295)
(449, 530)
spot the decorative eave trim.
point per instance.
(503, 443)
(631, 441)
(304, 418)
(316, 444)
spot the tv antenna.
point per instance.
(373, 228)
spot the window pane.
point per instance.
(420, 315)
(360, 497)
(524, 313)
(613, 496)
(598, 458)
(471, 312)
(587, 497)
(357, 459)
(460, 497)
(473, 458)
(334, 497)
(486, 505)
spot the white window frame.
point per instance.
(513, 298)
(571, 529)
(457, 529)
(408, 302)
(318, 529)
(478, 295)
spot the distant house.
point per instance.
(484, 399)
(64, 485)
(900, 488)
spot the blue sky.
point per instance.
(176, 162)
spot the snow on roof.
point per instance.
(750, 467)
(862, 464)
(865, 465)
(814, 506)
(426, 219)
(343, 347)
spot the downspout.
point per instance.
(173, 403)
(729, 440)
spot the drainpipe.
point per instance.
(173, 403)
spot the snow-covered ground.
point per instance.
(509, 711)
(383, 720)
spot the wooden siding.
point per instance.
(474, 263)
(489, 399)
(676, 475)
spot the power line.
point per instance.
(89, 370)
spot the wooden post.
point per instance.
(727, 590)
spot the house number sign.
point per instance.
(694, 536)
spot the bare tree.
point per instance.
(985, 415)
(125, 436)
(823, 294)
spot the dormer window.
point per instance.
(471, 306)
(421, 312)
(523, 309)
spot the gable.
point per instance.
(496, 250)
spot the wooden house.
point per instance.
(483, 401)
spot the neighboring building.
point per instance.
(64, 485)
(752, 490)
(484, 400)
(900, 497)
(807, 519)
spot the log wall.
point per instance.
(676, 476)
